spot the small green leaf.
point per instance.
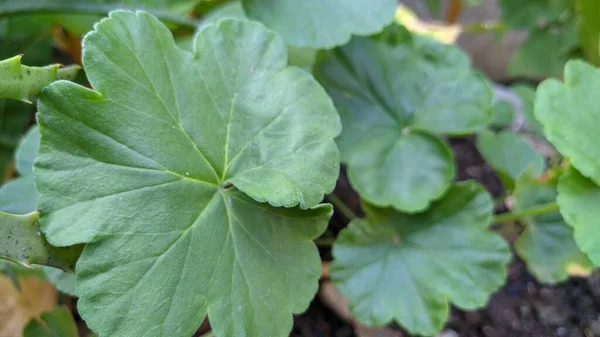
(63, 281)
(527, 95)
(408, 268)
(509, 155)
(557, 47)
(21, 82)
(56, 323)
(169, 195)
(502, 114)
(578, 198)
(547, 245)
(322, 24)
(531, 13)
(19, 196)
(570, 115)
(387, 88)
(27, 152)
(22, 242)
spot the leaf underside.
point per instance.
(175, 165)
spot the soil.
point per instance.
(522, 308)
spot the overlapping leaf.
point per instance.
(321, 24)
(527, 95)
(509, 155)
(578, 198)
(529, 14)
(56, 323)
(407, 268)
(394, 91)
(547, 244)
(152, 169)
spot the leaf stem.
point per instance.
(325, 241)
(27, 7)
(533, 211)
(341, 206)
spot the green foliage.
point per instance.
(547, 243)
(509, 155)
(588, 15)
(321, 24)
(532, 13)
(21, 82)
(232, 130)
(503, 114)
(527, 95)
(394, 92)
(56, 323)
(407, 268)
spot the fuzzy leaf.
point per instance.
(322, 24)
(570, 113)
(386, 88)
(547, 244)
(578, 198)
(509, 155)
(164, 151)
(56, 323)
(21, 82)
(22, 242)
(407, 268)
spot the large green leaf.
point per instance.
(509, 155)
(22, 82)
(531, 13)
(407, 268)
(392, 92)
(570, 112)
(161, 152)
(547, 244)
(322, 24)
(56, 323)
(556, 44)
(578, 198)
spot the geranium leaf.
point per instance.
(63, 281)
(527, 95)
(503, 114)
(509, 155)
(27, 152)
(547, 244)
(578, 198)
(569, 115)
(19, 196)
(56, 323)
(416, 264)
(529, 14)
(21, 82)
(22, 242)
(322, 24)
(161, 152)
(389, 86)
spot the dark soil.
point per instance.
(522, 308)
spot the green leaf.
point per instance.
(56, 323)
(531, 13)
(21, 82)
(408, 268)
(193, 132)
(19, 196)
(557, 46)
(502, 114)
(578, 198)
(509, 155)
(322, 24)
(22, 242)
(63, 281)
(392, 91)
(14, 118)
(546, 245)
(570, 113)
(527, 95)
(27, 152)
(588, 21)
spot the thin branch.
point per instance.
(534, 211)
(341, 206)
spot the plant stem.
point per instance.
(57, 6)
(533, 211)
(341, 206)
(325, 242)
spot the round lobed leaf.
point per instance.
(578, 198)
(547, 243)
(570, 115)
(407, 268)
(322, 24)
(388, 87)
(149, 169)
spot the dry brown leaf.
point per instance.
(18, 307)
